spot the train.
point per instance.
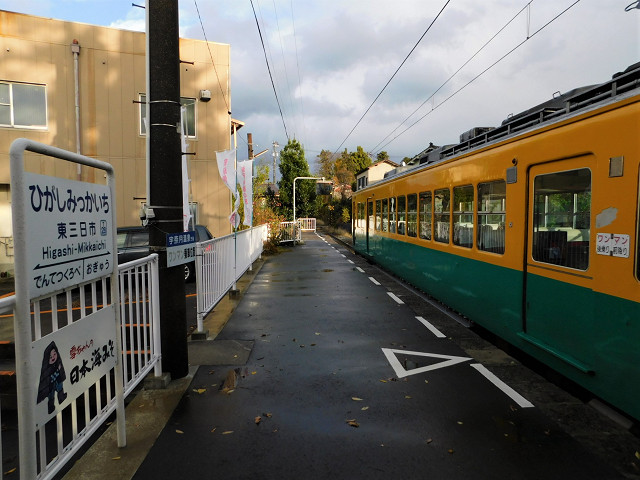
(530, 230)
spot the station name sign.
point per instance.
(181, 248)
(70, 232)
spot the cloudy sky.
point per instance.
(331, 58)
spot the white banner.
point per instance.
(227, 168)
(245, 178)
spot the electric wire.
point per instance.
(483, 72)
(295, 41)
(374, 149)
(211, 55)
(392, 76)
(269, 69)
(284, 62)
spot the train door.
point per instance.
(369, 221)
(558, 300)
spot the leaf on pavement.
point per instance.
(200, 390)
(353, 423)
(227, 432)
(364, 408)
(179, 431)
(257, 420)
(356, 399)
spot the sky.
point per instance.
(330, 59)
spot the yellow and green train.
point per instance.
(530, 230)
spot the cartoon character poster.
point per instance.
(67, 362)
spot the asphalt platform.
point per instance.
(330, 369)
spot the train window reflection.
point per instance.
(492, 206)
(412, 215)
(402, 215)
(392, 215)
(425, 215)
(378, 215)
(463, 216)
(385, 215)
(442, 214)
(561, 218)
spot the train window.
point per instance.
(360, 222)
(402, 215)
(463, 216)
(561, 218)
(442, 214)
(412, 215)
(385, 215)
(492, 205)
(378, 213)
(370, 217)
(425, 215)
(392, 215)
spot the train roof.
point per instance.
(571, 102)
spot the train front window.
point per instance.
(402, 215)
(442, 214)
(412, 215)
(561, 218)
(463, 216)
(492, 206)
(425, 215)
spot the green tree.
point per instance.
(359, 160)
(326, 165)
(382, 156)
(293, 164)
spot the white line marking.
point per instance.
(350, 261)
(515, 396)
(402, 372)
(360, 270)
(376, 282)
(433, 329)
(396, 299)
(343, 255)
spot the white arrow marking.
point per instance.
(402, 372)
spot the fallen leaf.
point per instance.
(301, 346)
(227, 432)
(313, 344)
(407, 396)
(179, 431)
(429, 440)
(353, 423)
(450, 450)
(268, 415)
(638, 455)
(364, 408)
(459, 423)
(213, 429)
(115, 458)
(426, 381)
(253, 373)
(9, 472)
(317, 333)
(383, 381)
(257, 420)
(356, 399)
(200, 391)
(235, 356)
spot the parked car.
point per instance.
(133, 243)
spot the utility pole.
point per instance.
(250, 145)
(165, 176)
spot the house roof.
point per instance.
(379, 162)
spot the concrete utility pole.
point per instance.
(165, 176)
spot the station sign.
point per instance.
(613, 244)
(181, 248)
(69, 232)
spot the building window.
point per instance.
(190, 115)
(425, 215)
(463, 216)
(412, 215)
(492, 207)
(561, 218)
(23, 105)
(442, 214)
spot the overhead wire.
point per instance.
(483, 72)
(392, 76)
(269, 69)
(295, 40)
(211, 55)
(374, 149)
(284, 61)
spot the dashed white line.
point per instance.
(396, 299)
(375, 282)
(350, 261)
(343, 255)
(433, 329)
(360, 270)
(515, 396)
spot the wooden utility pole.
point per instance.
(165, 176)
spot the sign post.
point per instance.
(65, 235)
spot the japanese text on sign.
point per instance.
(613, 244)
(181, 248)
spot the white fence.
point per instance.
(307, 224)
(61, 437)
(221, 262)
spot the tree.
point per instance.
(382, 156)
(326, 165)
(293, 164)
(359, 160)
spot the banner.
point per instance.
(186, 211)
(227, 168)
(245, 178)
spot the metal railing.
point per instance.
(140, 328)
(220, 262)
(290, 232)
(307, 224)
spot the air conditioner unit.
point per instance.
(205, 95)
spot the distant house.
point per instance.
(373, 173)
